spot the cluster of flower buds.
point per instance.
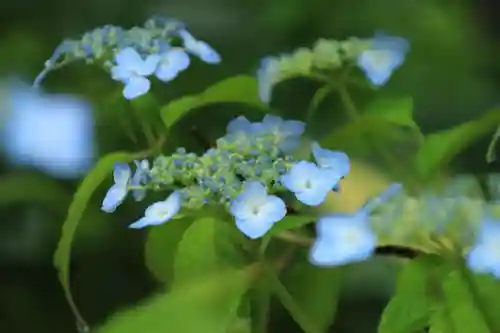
(160, 47)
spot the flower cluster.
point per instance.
(377, 57)
(244, 172)
(159, 47)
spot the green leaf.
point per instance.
(209, 305)
(397, 111)
(238, 89)
(316, 290)
(438, 149)
(208, 245)
(292, 222)
(76, 210)
(161, 247)
(411, 307)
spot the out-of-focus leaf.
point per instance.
(292, 222)
(208, 305)
(238, 89)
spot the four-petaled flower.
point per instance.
(484, 257)
(343, 239)
(53, 133)
(172, 62)
(255, 211)
(117, 193)
(132, 70)
(267, 75)
(199, 48)
(141, 176)
(308, 183)
(384, 55)
(160, 212)
(335, 164)
(287, 132)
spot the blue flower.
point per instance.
(53, 133)
(242, 125)
(384, 55)
(255, 211)
(160, 212)
(267, 76)
(343, 239)
(172, 62)
(117, 193)
(141, 176)
(199, 48)
(132, 70)
(287, 132)
(307, 182)
(335, 163)
(484, 257)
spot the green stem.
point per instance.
(349, 105)
(491, 155)
(290, 305)
(317, 99)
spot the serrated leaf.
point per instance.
(81, 198)
(316, 290)
(206, 247)
(238, 89)
(208, 305)
(161, 247)
(410, 309)
(438, 149)
(292, 222)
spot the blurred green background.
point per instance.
(452, 72)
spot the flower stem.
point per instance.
(316, 101)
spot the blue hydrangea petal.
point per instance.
(120, 73)
(121, 174)
(334, 160)
(289, 144)
(239, 124)
(113, 198)
(173, 62)
(207, 53)
(293, 127)
(135, 87)
(274, 209)
(142, 222)
(128, 58)
(307, 182)
(272, 123)
(312, 198)
(253, 228)
(484, 257)
(267, 76)
(253, 196)
(149, 65)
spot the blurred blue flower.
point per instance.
(172, 62)
(267, 76)
(384, 55)
(53, 133)
(132, 70)
(307, 182)
(343, 239)
(242, 125)
(255, 211)
(287, 132)
(200, 48)
(160, 212)
(484, 257)
(141, 176)
(118, 191)
(335, 163)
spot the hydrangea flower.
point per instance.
(132, 70)
(160, 212)
(267, 76)
(172, 62)
(242, 125)
(141, 176)
(255, 211)
(287, 132)
(307, 182)
(343, 239)
(384, 55)
(335, 164)
(53, 133)
(199, 48)
(118, 191)
(484, 257)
